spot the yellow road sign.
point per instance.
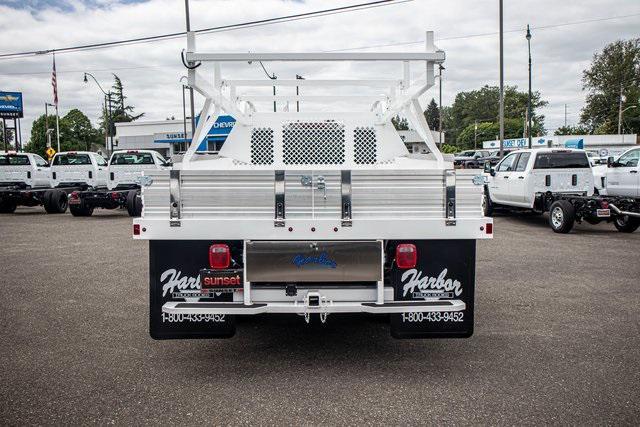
(50, 152)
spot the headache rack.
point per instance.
(313, 174)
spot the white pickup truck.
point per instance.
(122, 190)
(127, 166)
(621, 176)
(558, 181)
(78, 169)
(25, 180)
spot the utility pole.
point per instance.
(620, 111)
(193, 107)
(475, 134)
(528, 36)
(440, 68)
(501, 113)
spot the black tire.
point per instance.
(7, 206)
(81, 209)
(134, 203)
(55, 201)
(626, 224)
(487, 205)
(562, 216)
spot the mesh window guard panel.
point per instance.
(365, 150)
(262, 146)
(313, 143)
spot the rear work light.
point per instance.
(219, 256)
(406, 255)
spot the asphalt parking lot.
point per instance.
(556, 340)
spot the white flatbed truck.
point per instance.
(313, 212)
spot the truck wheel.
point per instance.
(81, 209)
(562, 215)
(626, 224)
(487, 206)
(55, 201)
(134, 203)
(7, 206)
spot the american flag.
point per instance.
(54, 82)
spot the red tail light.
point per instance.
(406, 255)
(604, 204)
(136, 229)
(219, 256)
(74, 195)
(489, 228)
(115, 196)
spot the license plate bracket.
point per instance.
(603, 213)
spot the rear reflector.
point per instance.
(136, 229)
(406, 255)
(489, 228)
(219, 256)
(604, 204)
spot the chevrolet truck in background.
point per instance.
(557, 181)
(25, 180)
(121, 188)
(312, 212)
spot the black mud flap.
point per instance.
(174, 268)
(445, 269)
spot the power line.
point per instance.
(230, 27)
(469, 36)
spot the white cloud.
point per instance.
(151, 71)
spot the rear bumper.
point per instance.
(176, 307)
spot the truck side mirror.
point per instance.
(610, 162)
(488, 169)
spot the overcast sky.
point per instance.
(150, 72)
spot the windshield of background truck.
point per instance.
(561, 161)
(12, 160)
(132, 159)
(629, 159)
(466, 154)
(71, 160)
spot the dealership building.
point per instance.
(603, 145)
(168, 137)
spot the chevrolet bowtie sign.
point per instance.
(11, 105)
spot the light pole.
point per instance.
(501, 112)
(298, 77)
(528, 36)
(107, 101)
(440, 68)
(46, 123)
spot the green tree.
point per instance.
(572, 130)
(613, 73)
(432, 114)
(120, 110)
(79, 132)
(482, 106)
(76, 133)
(400, 123)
